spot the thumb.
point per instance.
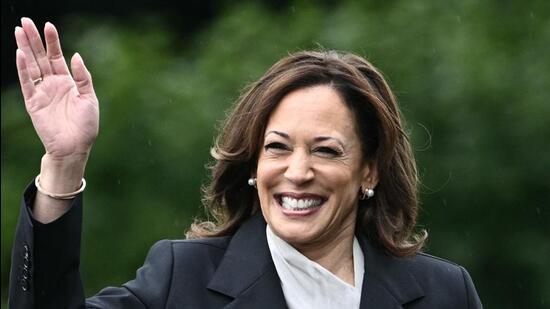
(81, 75)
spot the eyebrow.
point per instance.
(282, 134)
(316, 139)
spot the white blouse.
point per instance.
(307, 284)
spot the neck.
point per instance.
(335, 255)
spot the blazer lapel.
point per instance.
(387, 282)
(246, 272)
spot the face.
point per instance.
(310, 168)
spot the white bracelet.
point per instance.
(59, 196)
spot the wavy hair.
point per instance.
(389, 218)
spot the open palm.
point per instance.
(63, 107)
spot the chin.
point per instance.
(295, 233)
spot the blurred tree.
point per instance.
(471, 77)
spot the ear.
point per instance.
(370, 175)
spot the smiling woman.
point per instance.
(363, 127)
(313, 194)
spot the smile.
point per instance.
(299, 202)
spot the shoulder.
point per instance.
(213, 243)
(435, 270)
(424, 262)
(191, 252)
(443, 277)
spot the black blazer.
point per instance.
(225, 272)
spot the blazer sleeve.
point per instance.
(45, 259)
(45, 266)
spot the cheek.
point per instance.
(266, 175)
(338, 177)
(268, 169)
(345, 187)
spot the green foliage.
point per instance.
(473, 80)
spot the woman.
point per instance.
(313, 194)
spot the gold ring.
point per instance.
(37, 81)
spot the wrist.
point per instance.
(62, 175)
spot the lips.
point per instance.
(299, 201)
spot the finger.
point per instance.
(36, 45)
(27, 86)
(23, 45)
(53, 47)
(81, 75)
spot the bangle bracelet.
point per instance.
(59, 196)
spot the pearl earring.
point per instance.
(367, 193)
(252, 182)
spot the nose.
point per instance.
(299, 169)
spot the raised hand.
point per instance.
(64, 111)
(63, 107)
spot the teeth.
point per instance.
(299, 204)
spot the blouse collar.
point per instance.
(306, 284)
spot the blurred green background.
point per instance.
(472, 78)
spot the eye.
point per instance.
(328, 151)
(276, 146)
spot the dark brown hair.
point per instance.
(389, 218)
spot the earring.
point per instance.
(367, 193)
(252, 182)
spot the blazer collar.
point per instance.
(388, 283)
(247, 273)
